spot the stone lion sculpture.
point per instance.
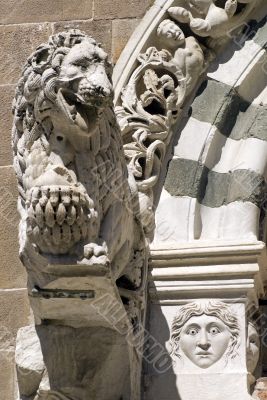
(74, 186)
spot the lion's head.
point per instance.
(69, 76)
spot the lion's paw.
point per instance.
(96, 253)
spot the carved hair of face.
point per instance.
(171, 34)
(253, 348)
(205, 332)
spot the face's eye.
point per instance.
(83, 68)
(192, 331)
(253, 340)
(214, 330)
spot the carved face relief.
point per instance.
(172, 35)
(204, 340)
(253, 348)
(204, 332)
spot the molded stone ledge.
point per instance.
(221, 269)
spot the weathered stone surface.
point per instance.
(7, 375)
(109, 9)
(240, 185)
(17, 42)
(260, 37)
(186, 178)
(121, 32)
(15, 313)
(12, 271)
(29, 360)
(40, 11)
(99, 30)
(260, 392)
(251, 124)
(6, 94)
(218, 104)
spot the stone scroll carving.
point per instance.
(204, 332)
(81, 236)
(163, 77)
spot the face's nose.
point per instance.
(203, 346)
(248, 345)
(203, 342)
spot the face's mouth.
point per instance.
(80, 110)
(204, 353)
(249, 358)
(177, 36)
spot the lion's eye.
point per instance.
(214, 330)
(83, 68)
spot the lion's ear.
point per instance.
(42, 56)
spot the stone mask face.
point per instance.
(171, 34)
(204, 340)
(253, 348)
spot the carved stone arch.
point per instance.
(223, 103)
(219, 162)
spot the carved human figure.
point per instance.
(204, 332)
(187, 52)
(253, 350)
(205, 18)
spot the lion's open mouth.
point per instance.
(78, 110)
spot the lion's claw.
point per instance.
(93, 249)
